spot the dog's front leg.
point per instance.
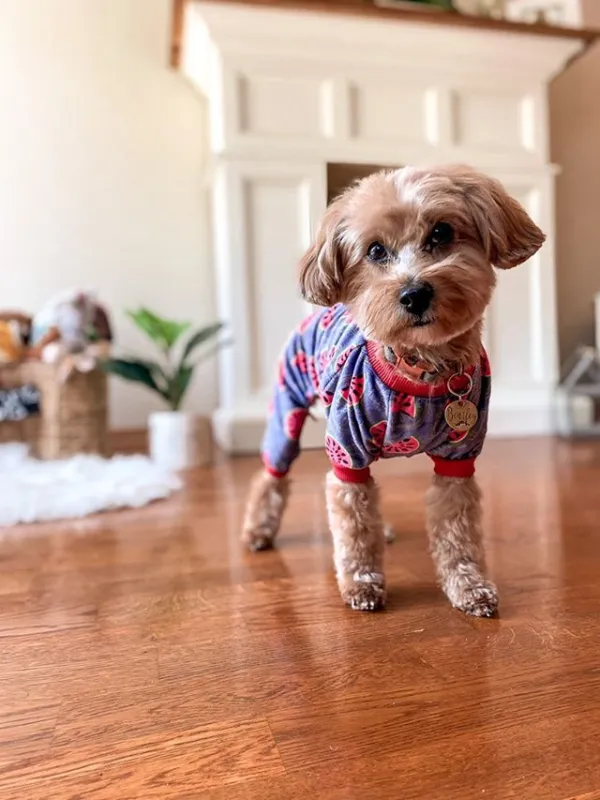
(358, 542)
(454, 527)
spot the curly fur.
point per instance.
(358, 542)
(264, 510)
(399, 209)
(454, 527)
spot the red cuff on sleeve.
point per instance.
(271, 471)
(448, 468)
(351, 475)
(274, 474)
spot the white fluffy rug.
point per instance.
(38, 491)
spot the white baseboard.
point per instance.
(240, 432)
(520, 421)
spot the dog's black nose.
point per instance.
(417, 298)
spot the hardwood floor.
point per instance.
(144, 655)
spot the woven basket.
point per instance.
(74, 413)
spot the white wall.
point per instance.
(101, 156)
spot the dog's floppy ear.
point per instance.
(507, 232)
(322, 265)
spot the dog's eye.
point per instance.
(441, 234)
(377, 253)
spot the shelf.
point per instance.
(366, 9)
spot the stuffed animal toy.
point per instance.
(101, 330)
(15, 328)
(72, 331)
(66, 317)
(67, 325)
(11, 346)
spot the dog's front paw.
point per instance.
(478, 599)
(364, 591)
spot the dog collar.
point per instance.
(414, 366)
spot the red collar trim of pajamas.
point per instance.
(396, 380)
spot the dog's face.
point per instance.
(412, 252)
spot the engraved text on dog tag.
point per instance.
(461, 415)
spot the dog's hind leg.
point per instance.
(264, 510)
(270, 487)
(289, 409)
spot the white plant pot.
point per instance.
(179, 440)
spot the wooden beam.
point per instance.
(178, 15)
(366, 9)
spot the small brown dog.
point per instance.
(403, 264)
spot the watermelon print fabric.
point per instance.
(372, 411)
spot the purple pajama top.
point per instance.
(372, 410)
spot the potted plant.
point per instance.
(177, 439)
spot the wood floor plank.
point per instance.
(480, 740)
(27, 721)
(193, 760)
(145, 655)
(468, 770)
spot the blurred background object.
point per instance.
(53, 395)
(195, 190)
(431, 5)
(178, 439)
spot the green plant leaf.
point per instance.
(179, 385)
(158, 372)
(133, 370)
(164, 332)
(201, 336)
(148, 323)
(173, 330)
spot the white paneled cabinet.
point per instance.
(291, 92)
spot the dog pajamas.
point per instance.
(372, 410)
